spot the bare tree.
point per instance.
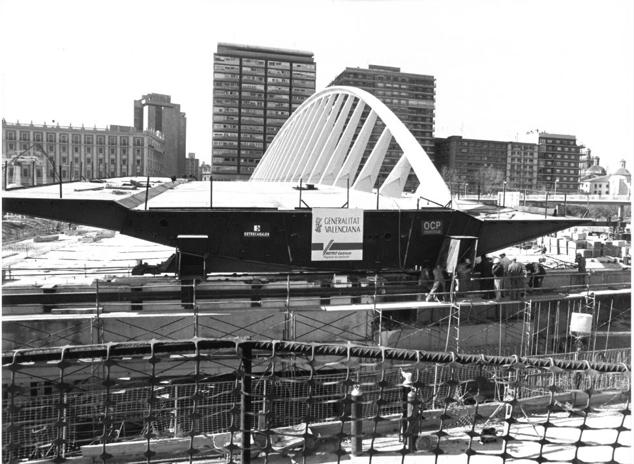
(450, 176)
(490, 179)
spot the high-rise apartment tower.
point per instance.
(255, 91)
(410, 96)
(156, 112)
(558, 163)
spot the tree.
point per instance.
(450, 176)
(602, 212)
(490, 179)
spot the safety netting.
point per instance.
(240, 400)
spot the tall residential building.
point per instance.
(472, 165)
(521, 166)
(36, 154)
(410, 96)
(156, 112)
(558, 163)
(255, 91)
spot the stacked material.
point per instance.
(588, 246)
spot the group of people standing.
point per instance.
(509, 277)
(497, 278)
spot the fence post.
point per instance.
(412, 421)
(356, 422)
(147, 190)
(244, 351)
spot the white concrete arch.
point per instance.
(316, 145)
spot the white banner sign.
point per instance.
(337, 234)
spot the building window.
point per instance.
(10, 135)
(88, 139)
(101, 140)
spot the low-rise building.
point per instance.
(192, 168)
(205, 171)
(596, 181)
(41, 154)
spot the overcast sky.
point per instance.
(502, 67)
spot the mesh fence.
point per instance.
(261, 401)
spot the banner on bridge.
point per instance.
(337, 234)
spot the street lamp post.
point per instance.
(555, 194)
(504, 194)
(465, 188)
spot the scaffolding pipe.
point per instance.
(607, 335)
(547, 329)
(538, 329)
(500, 333)
(244, 351)
(596, 328)
(555, 328)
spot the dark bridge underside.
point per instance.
(392, 239)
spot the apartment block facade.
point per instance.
(255, 90)
(558, 162)
(551, 164)
(471, 165)
(521, 166)
(38, 154)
